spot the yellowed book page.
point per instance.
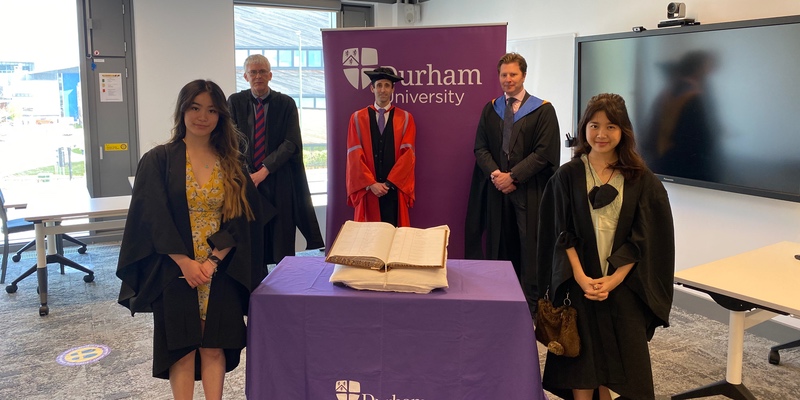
(419, 248)
(362, 244)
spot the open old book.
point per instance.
(381, 246)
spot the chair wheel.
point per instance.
(774, 357)
(11, 288)
(16, 257)
(44, 310)
(82, 250)
(88, 278)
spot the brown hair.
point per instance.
(225, 139)
(629, 162)
(509, 58)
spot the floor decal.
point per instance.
(83, 355)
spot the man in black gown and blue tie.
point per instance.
(516, 153)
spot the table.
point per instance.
(310, 339)
(755, 286)
(47, 214)
(14, 203)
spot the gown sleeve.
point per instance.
(556, 233)
(150, 233)
(651, 245)
(402, 173)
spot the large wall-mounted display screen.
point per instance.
(716, 106)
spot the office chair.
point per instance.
(81, 250)
(775, 357)
(20, 225)
(13, 226)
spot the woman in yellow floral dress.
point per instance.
(205, 215)
(186, 253)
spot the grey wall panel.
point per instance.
(107, 28)
(109, 106)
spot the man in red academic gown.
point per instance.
(381, 156)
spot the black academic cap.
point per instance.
(382, 73)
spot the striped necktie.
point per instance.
(259, 135)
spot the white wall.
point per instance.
(178, 41)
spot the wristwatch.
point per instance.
(214, 259)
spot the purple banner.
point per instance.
(449, 74)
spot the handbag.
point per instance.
(557, 327)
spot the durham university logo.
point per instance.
(355, 61)
(348, 390)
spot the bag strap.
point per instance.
(567, 301)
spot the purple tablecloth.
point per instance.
(309, 339)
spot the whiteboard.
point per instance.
(551, 76)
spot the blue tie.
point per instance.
(381, 120)
(508, 123)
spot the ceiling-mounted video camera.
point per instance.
(676, 10)
(676, 16)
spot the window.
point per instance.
(41, 132)
(292, 41)
(284, 58)
(314, 58)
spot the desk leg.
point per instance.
(41, 268)
(733, 373)
(732, 386)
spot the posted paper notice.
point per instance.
(111, 87)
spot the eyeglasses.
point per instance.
(254, 73)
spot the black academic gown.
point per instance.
(285, 190)
(157, 225)
(533, 157)
(614, 333)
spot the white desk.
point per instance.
(14, 203)
(12, 199)
(46, 213)
(755, 286)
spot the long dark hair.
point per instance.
(629, 163)
(225, 139)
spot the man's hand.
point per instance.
(503, 181)
(378, 189)
(259, 175)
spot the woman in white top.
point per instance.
(606, 240)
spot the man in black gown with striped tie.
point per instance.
(274, 156)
